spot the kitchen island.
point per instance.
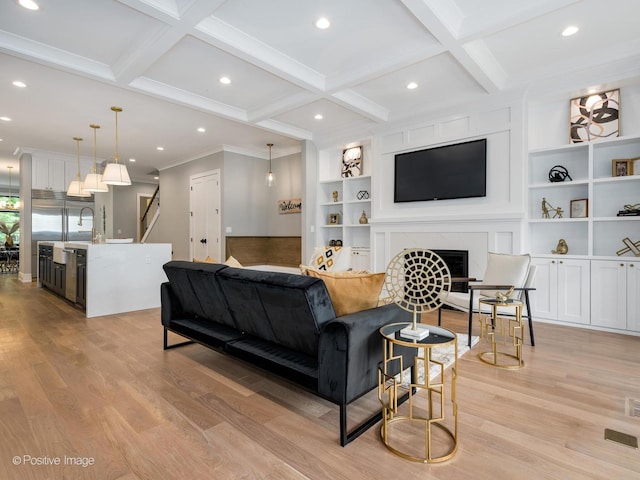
(104, 279)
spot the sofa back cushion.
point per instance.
(197, 290)
(286, 309)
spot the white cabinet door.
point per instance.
(48, 174)
(609, 293)
(573, 291)
(544, 299)
(633, 296)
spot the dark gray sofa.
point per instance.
(281, 322)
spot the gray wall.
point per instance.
(173, 223)
(125, 201)
(249, 207)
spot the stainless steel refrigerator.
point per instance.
(56, 217)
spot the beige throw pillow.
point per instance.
(232, 262)
(350, 292)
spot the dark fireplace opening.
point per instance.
(458, 263)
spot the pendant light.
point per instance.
(75, 187)
(93, 181)
(116, 173)
(271, 178)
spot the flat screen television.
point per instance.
(440, 173)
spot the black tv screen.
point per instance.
(450, 171)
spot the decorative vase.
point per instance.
(8, 241)
(363, 218)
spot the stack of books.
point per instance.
(628, 213)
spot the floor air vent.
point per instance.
(621, 438)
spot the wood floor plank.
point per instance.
(104, 388)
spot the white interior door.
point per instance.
(205, 215)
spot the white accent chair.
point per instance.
(503, 272)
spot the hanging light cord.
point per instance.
(95, 129)
(116, 157)
(78, 140)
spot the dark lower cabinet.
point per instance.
(59, 278)
(81, 266)
(52, 275)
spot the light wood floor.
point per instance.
(104, 389)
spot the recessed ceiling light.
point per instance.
(19, 84)
(412, 85)
(201, 129)
(570, 30)
(132, 160)
(225, 80)
(323, 23)
(318, 116)
(5, 119)
(29, 4)
(160, 148)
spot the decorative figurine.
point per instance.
(559, 174)
(631, 246)
(363, 218)
(562, 247)
(363, 195)
(335, 195)
(546, 208)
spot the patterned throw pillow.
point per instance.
(331, 258)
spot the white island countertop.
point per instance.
(122, 277)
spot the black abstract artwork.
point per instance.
(595, 117)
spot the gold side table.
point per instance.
(496, 330)
(424, 433)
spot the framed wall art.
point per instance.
(622, 167)
(352, 162)
(580, 208)
(594, 117)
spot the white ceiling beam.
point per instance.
(285, 129)
(431, 16)
(286, 104)
(224, 36)
(362, 105)
(47, 55)
(182, 97)
(139, 58)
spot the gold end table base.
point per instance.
(493, 359)
(494, 328)
(427, 458)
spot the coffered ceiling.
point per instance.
(161, 61)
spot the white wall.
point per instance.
(480, 225)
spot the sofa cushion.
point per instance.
(197, 290)
(350, 292)
(282, 308)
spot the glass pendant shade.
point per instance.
(76, 188)
(116, 173)
(93, 181)
(270, 178)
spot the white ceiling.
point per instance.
(160, 60)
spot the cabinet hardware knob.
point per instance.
(622, 264)
(561, 261)
(631, 265)
(553, 261)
